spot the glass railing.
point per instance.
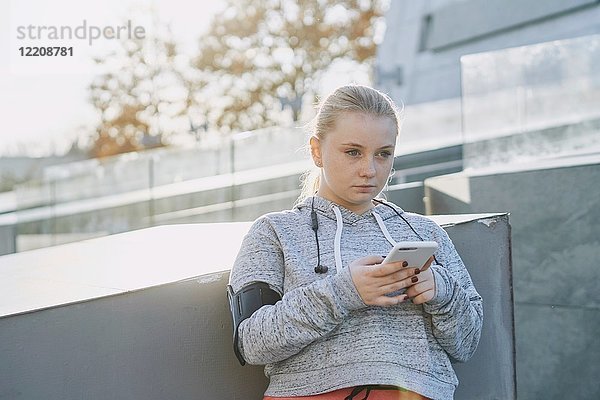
(531, 102)
(91, 179)
(97, 197)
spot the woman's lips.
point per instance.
(365, 188)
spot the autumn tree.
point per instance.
(139, 93)
(256, 58)
(270, 53)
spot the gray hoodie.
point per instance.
(321, 336)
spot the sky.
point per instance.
(43, 100)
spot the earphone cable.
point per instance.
(319, 269)
(407, 223)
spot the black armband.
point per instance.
(244, 303)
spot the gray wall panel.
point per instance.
(469, 20)
(555, 222)
(167, 342)
(430, 57)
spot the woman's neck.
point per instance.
(358, 209)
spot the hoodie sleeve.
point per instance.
(457, 308)
(275, 332)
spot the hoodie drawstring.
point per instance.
(337, 247)
(384, 229)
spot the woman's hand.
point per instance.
(374, 280)
(423, 289)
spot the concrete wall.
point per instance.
(419, 58)
(484, 246)
(126, 324)
(555, 221)
(409, 196)
(166, 342)
(8, 238)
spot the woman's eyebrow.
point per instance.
(361, 146)
(352, 145)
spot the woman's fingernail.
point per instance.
(404, 264)
(417, 271)
(414, 279)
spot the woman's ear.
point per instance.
(315, 151)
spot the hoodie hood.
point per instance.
(341, 215)
(325, 207)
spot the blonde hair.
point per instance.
(346, 99)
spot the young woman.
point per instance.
(311, 298)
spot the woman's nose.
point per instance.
(368, 168)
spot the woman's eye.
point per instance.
(385, 154)
(352, 153)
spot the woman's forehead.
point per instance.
(364, 129)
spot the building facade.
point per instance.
(419, 58)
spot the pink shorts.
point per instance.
(374, 394)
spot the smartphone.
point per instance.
(415, 254)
